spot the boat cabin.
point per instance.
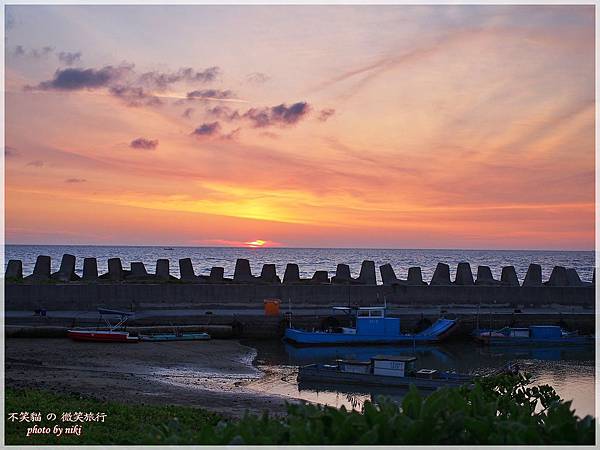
(395, 366)
(372, 321)
(354, 366)
(533, 331)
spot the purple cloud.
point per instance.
(325, 114)
(75, 180)
(144, 144)
(77, 79)
(135, 96)
(281, 115)
(36, 163)
(188, 113)
(257, 78)
(162, 80)
(210, 94)
(69, 58)
(207, 129)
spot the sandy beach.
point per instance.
(213, 375)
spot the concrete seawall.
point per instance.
(139, 289)
(78, 296)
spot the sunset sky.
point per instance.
(301, 126)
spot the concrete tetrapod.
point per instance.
(509, 276)
(342, 274)
(367, 273)
(292, 273)
(14, 269)
(415, 277)
(90, 269)
(464, 275)
(533, 277)
(441, 275)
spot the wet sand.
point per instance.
(215, 375)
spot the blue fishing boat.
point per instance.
(532, 335)
(372, 327)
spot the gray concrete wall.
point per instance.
(86, 296)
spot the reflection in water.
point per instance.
(570, 370)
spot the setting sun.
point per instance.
(256, 243)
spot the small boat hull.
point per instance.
(175, 337)
(316, 373)
(101, 336)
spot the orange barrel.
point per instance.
(272, 307)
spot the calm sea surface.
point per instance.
(309, 259)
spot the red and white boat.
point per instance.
(113, 334)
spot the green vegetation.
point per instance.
(500, 410)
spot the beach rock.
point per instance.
(367, 273)
(485, 277)
(90, 269)
(320, 276)
(217, 275)
(464, 275)
(115, 269)
(388, 276)
(573, 278)
(342, 274)
(292, 274)
(558, 277)
(509, 276)
(441, 275)
(162, 269)
(41, 270)
(186, 270)
(242, 273)
(268, 274)
(66, 272)
(14, 269)
(415, 277)
(533, 276)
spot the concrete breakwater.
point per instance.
(136, 287)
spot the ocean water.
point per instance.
(309, 259)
